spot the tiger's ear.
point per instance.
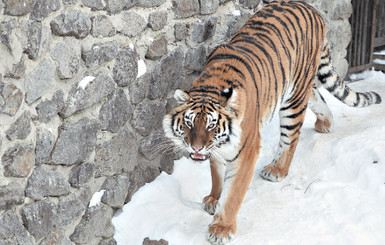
(181, 96)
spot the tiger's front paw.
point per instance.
(220, 234)
(272, 173)
(210, 204)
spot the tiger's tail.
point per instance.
(330, 80)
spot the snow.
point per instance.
(96, 198)
(379, 61)
(382, 52)
(334, 193)
(85, 81)
(141, 68)
(236, 13)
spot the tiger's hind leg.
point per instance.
(318, 105)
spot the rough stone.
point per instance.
(147, 116)
(11, 195)
(100, 53)
(251, 4)
(6, 30)
(12, 230)
(180, 31)
(66, 2)
(102, 26)
(196, 58)
(44, 182)
(157, 49)
(80, 97)
(18, 8)
(208, 6)
(108, 241)
(56, 236)
(118, 155)
(235, 23)
(43, 8)
(38, 40)
(48, 109)
(18, 70)
(185, 8)
(150, 3)
(116, 6)
(45, 141)
(39, 80)
(157, 20)
(71, 23)
(84, 194)
(94, 4)
(132, 24)
(141, 175)
(70, 209)
(342, 10)
(21, 128)
(12, 97)
(138, 90)
(39, 217)
(67, 56)
(81, 174)
(76, 142)
(147, 241)
(223, 1)
(167, 75)
(116, 190)
(153, 145)
(18, 160)
(115, 111)
(96, 222)
(204, 29)
(125, 69)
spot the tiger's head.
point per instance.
(202, 127)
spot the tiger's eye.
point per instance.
(188, 124)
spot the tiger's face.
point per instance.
(200, 127)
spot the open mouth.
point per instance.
(199, 157)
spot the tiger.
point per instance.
(274, 64)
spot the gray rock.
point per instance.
(18, 70)
(157, 49)
(102, 26)
(342, 10)
(180, 31)
(235, 23)
(108, 241)
(94, 4)
(118, 155)
(196, 58)
(12, 231)
(18, 8)
(223, 1)
(45, 141)
(71, 23)
(141, 175)
(166, 75)
(147, 116)
(126, 67)
(95, 223)
(48, 109)
(100, 53)
(150, 3)
(66, 2)
(209, 6)
(147, 241)
(84, 194)
(6, 29)
(116, 190)
(115, 111)
(38, 39)
(116, 6)
(67, 56)
(39, 80)
(81, 174)
(153, 145)
(12, 98)
(18, 160)
(11, 195)
(44, 182)
(185, 8)
(132, 24)
(75, 142)
(80, 97)
(56, 236)
(39, 217)
(21, 128)
(138, 90)
(43, 8)
(204, 29)
(70, 209)
(157, 20)
(251, 4)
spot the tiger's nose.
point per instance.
(197, 148)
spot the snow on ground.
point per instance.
(334, 193)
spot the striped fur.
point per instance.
(270, 65)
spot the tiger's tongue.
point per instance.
(198, 156)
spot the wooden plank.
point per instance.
(379, 41)
(379, 67)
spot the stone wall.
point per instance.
(84, 85)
